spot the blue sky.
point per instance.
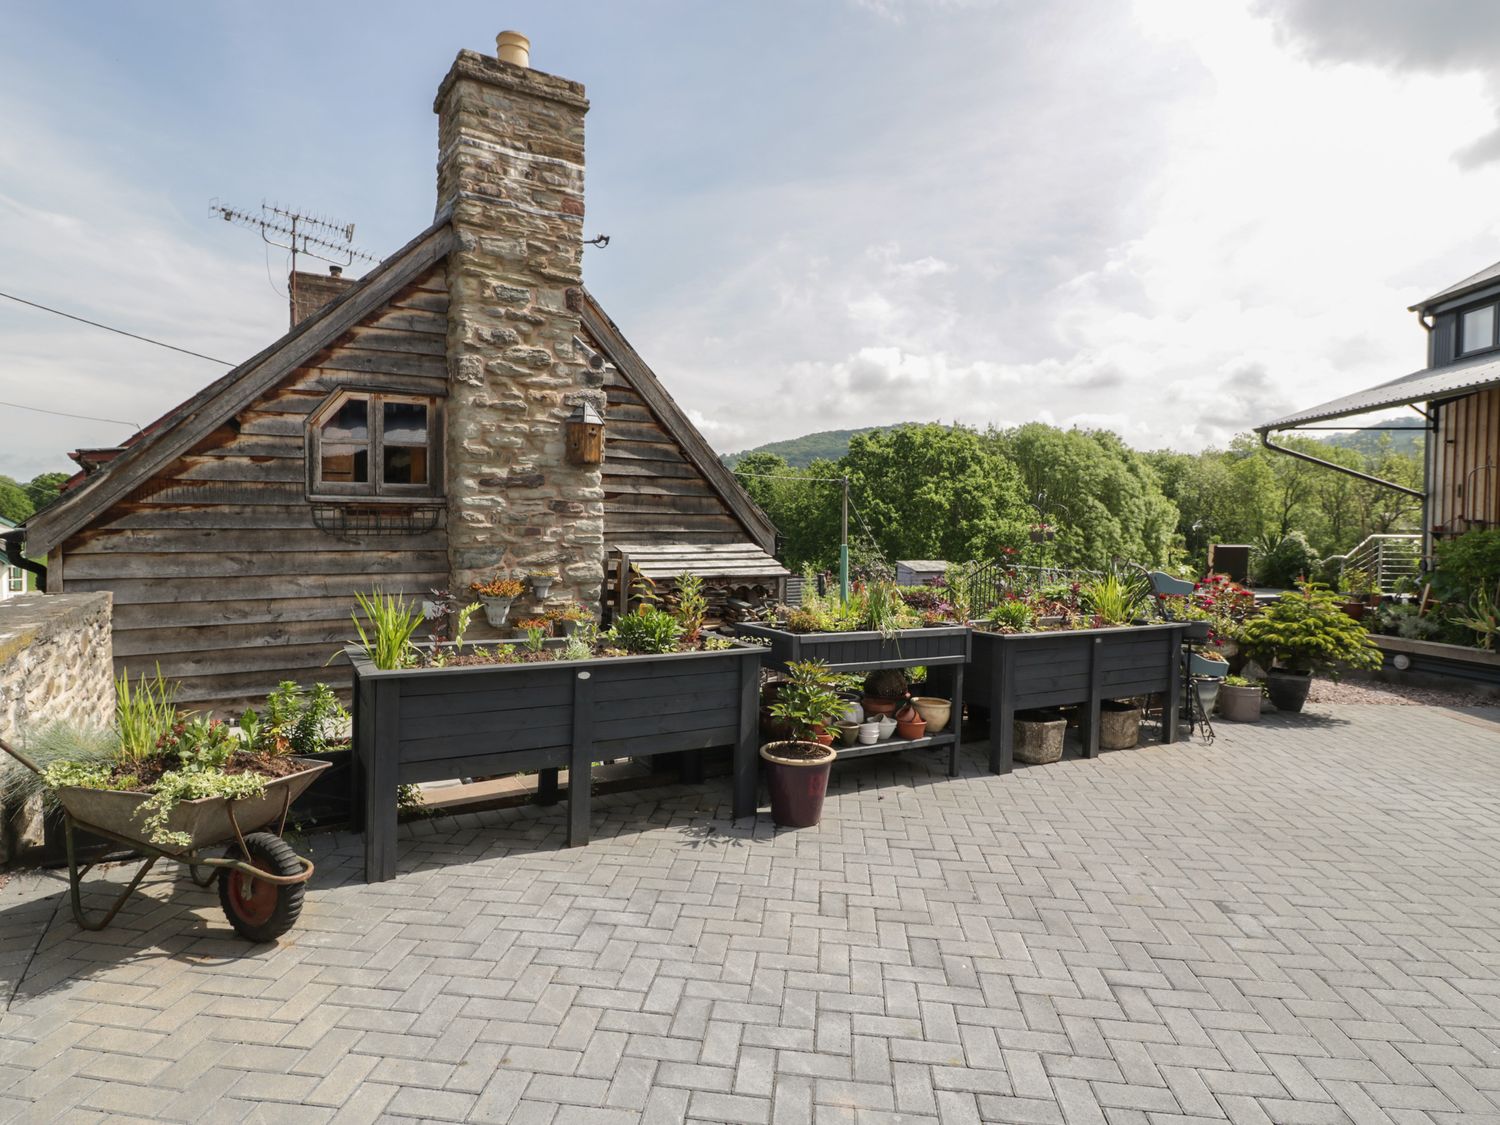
(1170, 218)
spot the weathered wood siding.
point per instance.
(1466, 464)
(652, 492)
(218, 571)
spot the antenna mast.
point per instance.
(302, 233)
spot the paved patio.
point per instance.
(1300, 923)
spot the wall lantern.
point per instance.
(585, 435)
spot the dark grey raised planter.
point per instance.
(944, 646)
(429, 724)
(1021, 671)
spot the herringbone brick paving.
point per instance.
(1299, 923)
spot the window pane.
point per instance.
(346, 465)
(405, 423)
(405, 464)
(1479, 329)
(351, 423)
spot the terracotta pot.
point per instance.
(936, 711)
(1355, 609)
(874, 705)
(797, 775)
(823, 737)
(910, 724)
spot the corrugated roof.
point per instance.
(1420, 386)
(1473, 281)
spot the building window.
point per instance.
(373, 444)
(15, 580)
(1477, 332)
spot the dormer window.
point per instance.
(1477, 330)
(372, 444)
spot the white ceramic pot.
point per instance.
(496, 610)
(869, 733)
(853, 712)
(887, 727)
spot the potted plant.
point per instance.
(797, 775)
(1300, 634)
(568, 619)
(496, 595)
(1239, 700)
(1358, 586)
(807, 702)
(541, 582)
(885, 688)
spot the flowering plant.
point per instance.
(497, 587)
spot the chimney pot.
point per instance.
(335, 271)
(514, 48)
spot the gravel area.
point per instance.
(1400, 695)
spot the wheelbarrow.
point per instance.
(261, 879)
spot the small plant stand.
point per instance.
(938, 647)
(1025, 671)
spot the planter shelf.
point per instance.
(1026, 671)
(430, 724)
(944, 646)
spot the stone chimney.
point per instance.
(309, 292)
(510, 172)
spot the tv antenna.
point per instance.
(316, 236)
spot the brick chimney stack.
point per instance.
(510, 172)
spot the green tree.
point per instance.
(44, 488)
(15, 505)
(932, 491)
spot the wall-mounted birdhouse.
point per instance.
(585, 435)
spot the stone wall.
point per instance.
(510, 171)
(56, 665)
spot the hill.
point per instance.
(1405, 441)
(802, 451)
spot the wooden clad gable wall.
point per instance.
(219, 573)
(652, 492)
(1466, 464)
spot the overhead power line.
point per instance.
(65, 414)
(117, 331)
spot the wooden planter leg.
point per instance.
(1002, 718)
(746, 755)
(581, 761)
(1174, 697)
(546, 787)
(381, 778)
(1089, 723)
(957, 721)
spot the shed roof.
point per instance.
(1426, 385)
(706, 560)
(922, 564)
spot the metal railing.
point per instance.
(991, 583)
(1387, 560)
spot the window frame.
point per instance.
(15, 580)
(376, 489)
(1461, 350)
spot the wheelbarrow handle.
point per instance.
(20, 757)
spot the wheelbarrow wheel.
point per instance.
(259, 910)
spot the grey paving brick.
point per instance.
(1290, 926)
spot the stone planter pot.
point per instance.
(1039, 737)
(496, 610)
(1119, 725)
(1288, 690)
(541, 585)
(1240, 704)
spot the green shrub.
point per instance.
(647, 631)
(1466, 565)
(1286, 561)
(1307, 630)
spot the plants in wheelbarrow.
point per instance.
(169, 756)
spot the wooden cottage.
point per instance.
(1455, 399)
(415, 430)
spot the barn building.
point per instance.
(410, 432)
